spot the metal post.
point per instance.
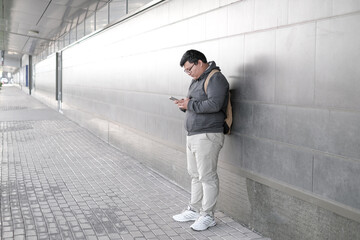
(30, 74)
(58, 84)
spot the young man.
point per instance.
(205, 114)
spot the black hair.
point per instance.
(193, 56)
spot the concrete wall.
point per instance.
(291, 167)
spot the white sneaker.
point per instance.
(187, 215)
(203, 223)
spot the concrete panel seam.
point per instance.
(291, 25)
(315, 151)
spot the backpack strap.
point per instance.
(208, 78)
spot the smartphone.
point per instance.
(173, 98)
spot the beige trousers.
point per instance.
(202, 158)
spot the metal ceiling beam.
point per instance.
(29, 36)
(43, 12)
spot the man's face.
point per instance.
(193, 70)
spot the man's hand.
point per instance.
(182, 103)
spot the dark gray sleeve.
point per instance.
(217, 92)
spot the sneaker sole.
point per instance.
(199, 230)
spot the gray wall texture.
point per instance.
(291, 168)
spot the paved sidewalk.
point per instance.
(58, 181)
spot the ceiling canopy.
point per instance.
(30, 26)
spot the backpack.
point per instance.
(228, 119)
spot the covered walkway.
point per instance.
(59, 181)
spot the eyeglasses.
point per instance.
(189, 70)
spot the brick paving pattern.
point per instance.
(58, 181)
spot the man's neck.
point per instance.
(206, 66)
